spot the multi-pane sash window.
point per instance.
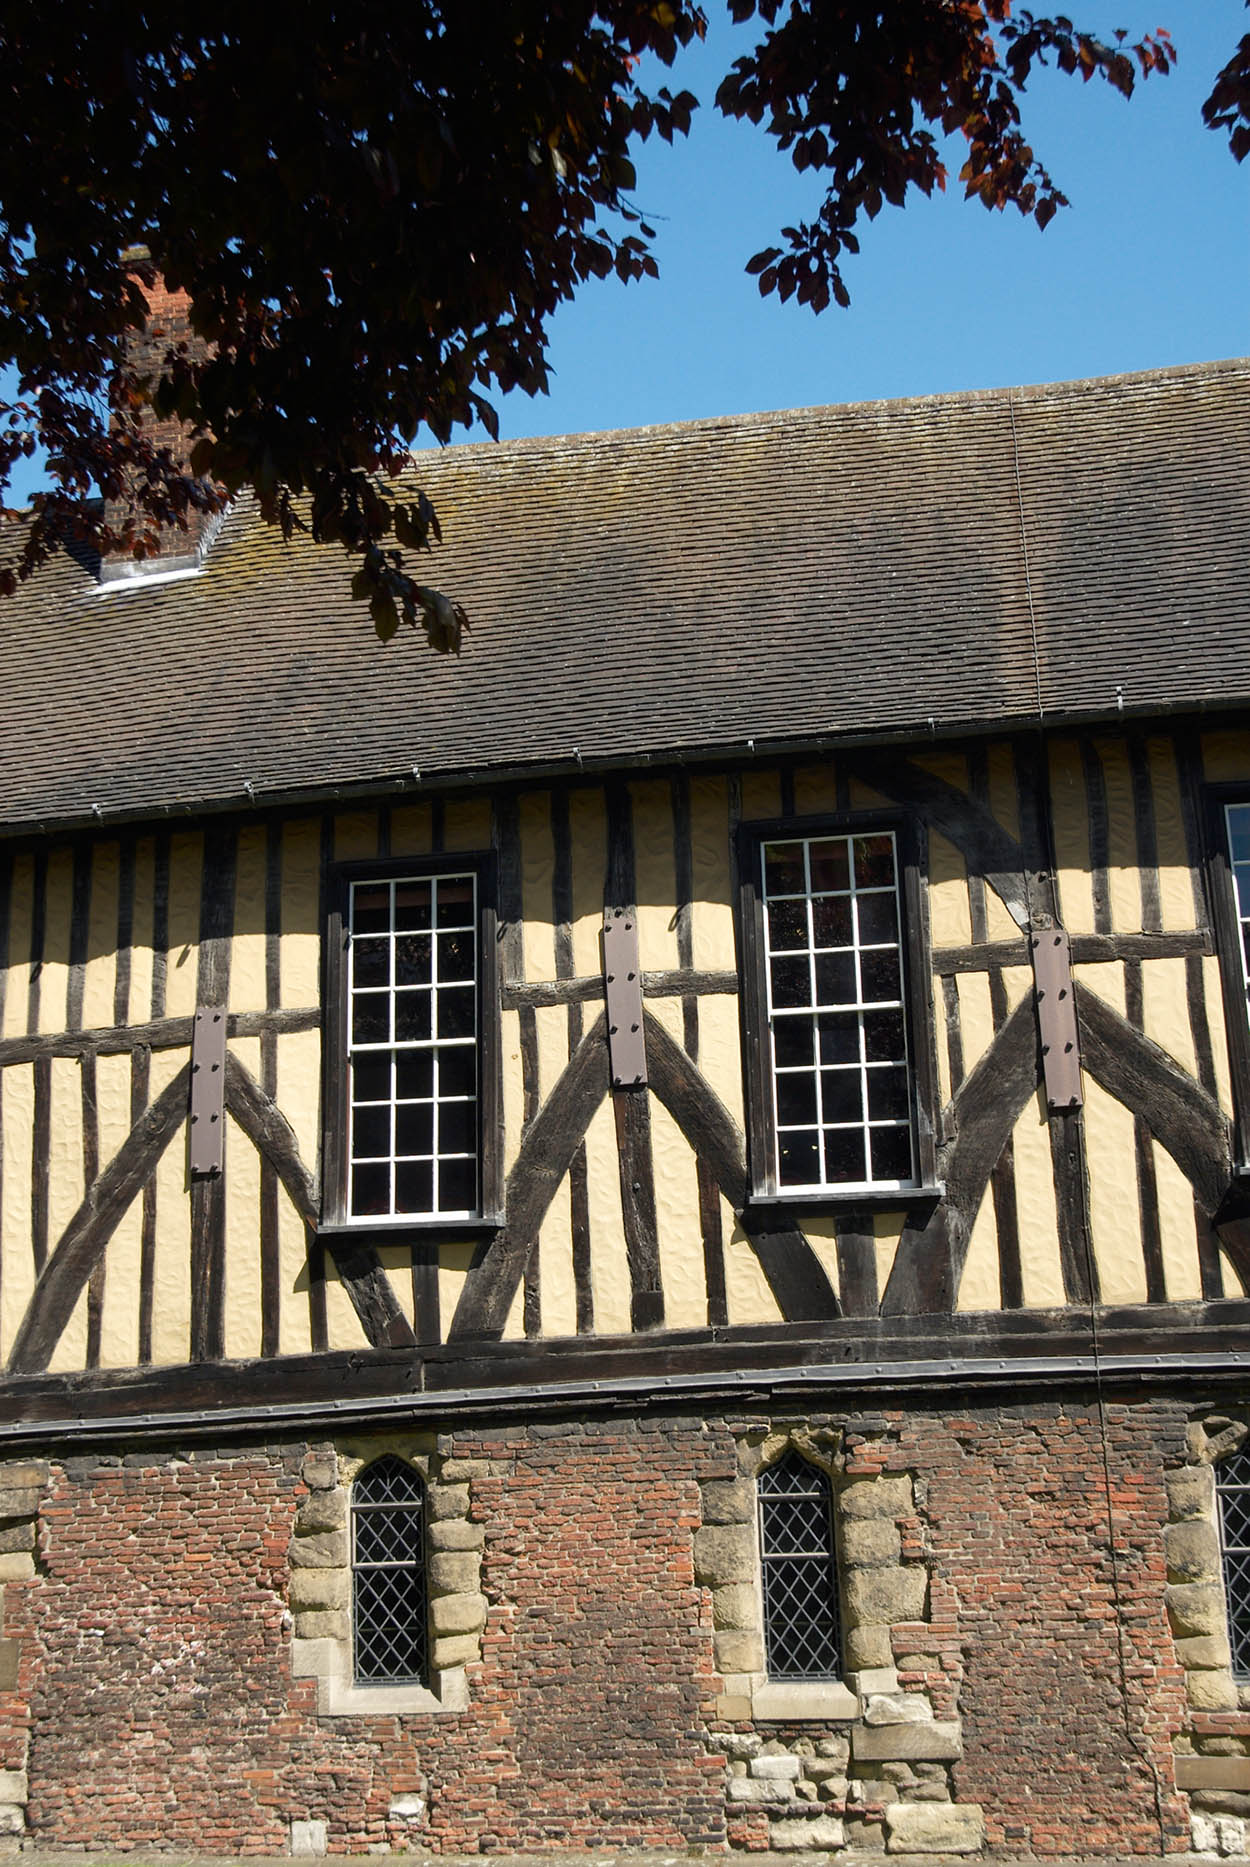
(1237, 819)
(411, 980)
(389, 1594)
(1228, 878)
(800, 1573)
(1232, 1489)
(840, 1075)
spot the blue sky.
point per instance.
(1149, 266)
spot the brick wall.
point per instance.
(154, 1664)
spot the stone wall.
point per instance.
(1007, 1675)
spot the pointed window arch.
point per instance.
(798, 1560)
(390, 1604)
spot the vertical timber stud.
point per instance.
(627, 1060)
(1056, 1018)
(208, 1078)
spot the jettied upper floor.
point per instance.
(800, 937)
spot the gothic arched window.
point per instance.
(389, 1597)
(800, 1571)
(1232, 1490)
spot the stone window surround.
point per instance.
(1195, 1595)
(320, 1598)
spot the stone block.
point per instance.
(308, 1839)
(1203, 1650)
(406, 1808)
(443, 1501)
(1211, 1691)
(25, 1474)
(807, 1833)
(322, 1549)
(20, 1500)
(940, 1742)
(867, 1680)
(733, 1705)
(868, 1646)
(837, 1747)
(738, 1653)
(826, 1769)
(447, 1651)
(460, 1471)
(1203, 1838)
(926, 1792)
(18, 1567)
(1191, 1492)
(12, 1818)
(13, 1786)
(934, 1828)
(782, 1768)
(736, 1605)
(319, 1470)
(1192, 1551)
(725, 1553)
(1195, 1608)
(319, 1588)
(1221, 1801)
(895, 1593)
(875, 1497)
(454, 1572)
(898, 1708)
(20, 1535)
(321, 1510)
(729, 1501)
(323, 1624)
(738, 1746)
(458, 1614)
(748, 1789)
(10, 1655)
(1213, 1773)
(867, 1542)
(456, 1533)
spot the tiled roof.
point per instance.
(940, 564)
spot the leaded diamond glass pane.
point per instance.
(388, 1572)
(799, 1570)
(1232, 1489)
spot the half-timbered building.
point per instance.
(642, 1235)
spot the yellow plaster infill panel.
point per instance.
(1105, 979)
(1115, 1226)
(411, 830)
(950, 921)
(748, 1295)
(609, 1271)
(298, 1080)
(1213, 994)
(815, 790)
(513, 1087)
(242, 1298)
(1165, 1010)
(355, 835)
(999, 924)
(343, 1328)
(514, 1327)
(100, 971)
(70, 1353)
(976, 1020)
(294, 1319)
(454, 1260)
(17, 1267)
(1070, 817)
(1004, 797)
(588, 838)
(247, 956)
(979, 1287)
(720, 1050)
(1124, 878)
(65, 1162)
(942, 1052)
(655, 874)
(299, 954)
(1176, 887)
(171, 1281)
(887, 1231)
(1178, 1231)
(186, 862)
(1017, 984)
(820, 1232)
(17, 980)
(54, 973)
(557, 1293)
(538, 945)
(711, 916)
(551, 1023)
(140, 1007)
(466, 823)
(947, 764)
(396, 1261)
(119, 1314)
(1041, 1274)
(761, 795)
(1226, 757)
(677, 1222)
(863, 797)
(1233, 1286)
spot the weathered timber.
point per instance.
(631, 1107)
(1147, 1186)
(857, 1264)
(1099, 829)
(270, 1132)
(675, 982)
(1146, 833)
(1003, 1187)
(88, 1232)
(370, 1290)
(156, 1034)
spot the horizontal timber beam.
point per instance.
(159, 1034)
(988, 956)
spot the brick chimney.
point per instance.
(167, 329)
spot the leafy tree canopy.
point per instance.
(375, 211)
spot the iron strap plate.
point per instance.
(622, 979)
(208, 1079)
(1056, 1017)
